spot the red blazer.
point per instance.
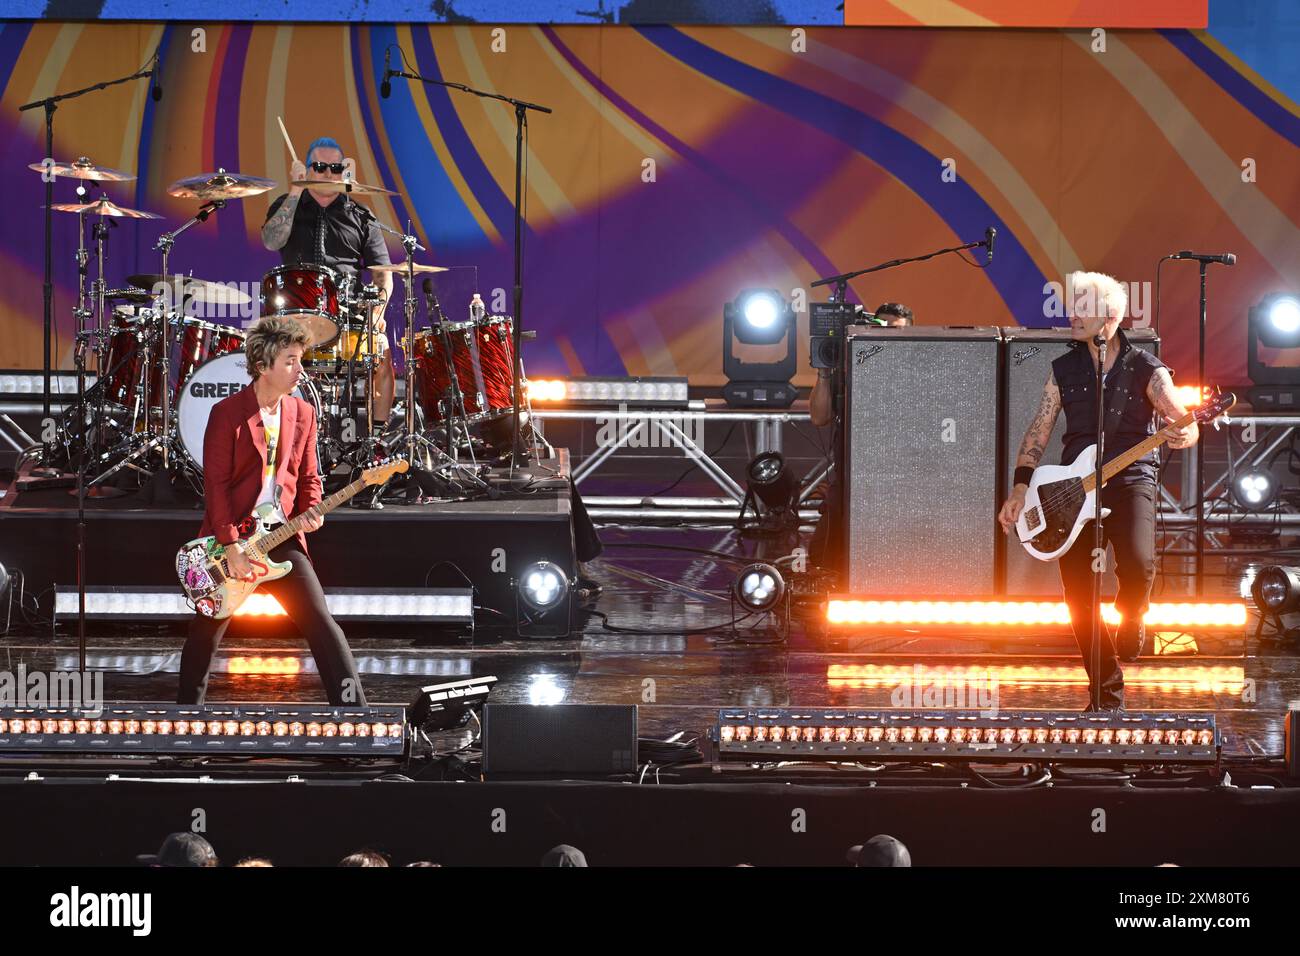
(234, 454)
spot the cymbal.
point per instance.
(219, 185)
(198, 290)
(336, 186)
(83, 168)
(104, 207)
(399, 267)
(127, 295)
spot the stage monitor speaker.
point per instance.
(1029, 357)
(921, 460)
(577, 739)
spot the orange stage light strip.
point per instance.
(260, 605)
(1203, 615)
(1086, 14)
(1226, 679)
(270, 666)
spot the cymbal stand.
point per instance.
(164, 440)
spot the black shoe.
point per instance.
(1131, 645)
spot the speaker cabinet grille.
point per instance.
(584, 739)
(922, 460)
(1030, 353)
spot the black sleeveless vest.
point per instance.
(1130, 416)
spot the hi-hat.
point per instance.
(104, 207)
(83, 168)
(400, 267)
(198, 290)
(219, 185)
(338, 186)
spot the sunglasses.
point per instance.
(332, 167)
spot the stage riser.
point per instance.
(394, 548)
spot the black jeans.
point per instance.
(826, 550)
(300, 594)
(1131, 530)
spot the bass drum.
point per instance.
(215, 380)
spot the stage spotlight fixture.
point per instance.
(542, 586)
(1276, 589)
(445, 706)
(770, 481)
(758, 317)
(543, 601)
(1274, 323)
(759, 587)
(1255, 489)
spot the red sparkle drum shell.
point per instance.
(201, 341)
(482, 359)
(128, 350)
(303, 290)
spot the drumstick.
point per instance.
(292, 152)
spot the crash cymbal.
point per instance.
(104, 207)
(336, 186)
(219, 185)
(83, 168)
(197, 290)
(400, 267)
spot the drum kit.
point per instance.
(160, 368)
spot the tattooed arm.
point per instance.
(1037, 435)
(1039, 432)
(1164, 399)
(275, 233)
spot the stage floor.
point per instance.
(678, 670)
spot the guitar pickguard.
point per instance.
(1060, 502)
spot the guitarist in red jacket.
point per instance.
(1138, 387)
(260, 446)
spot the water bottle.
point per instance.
(477, 310)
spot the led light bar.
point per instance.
(21, 383)
(1189, 678)
(1011, 736)
(443, 605)
(661, 392)
(1203, 616)
(303, 729)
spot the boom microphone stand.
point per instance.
(519, 454)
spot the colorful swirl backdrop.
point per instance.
(682, 164)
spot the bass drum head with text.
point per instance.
(213, 381)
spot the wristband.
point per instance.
(1023, 475)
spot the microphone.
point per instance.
(385, 88)
(989, 235)
(156, 77)
(430, 300)
(1224, 258)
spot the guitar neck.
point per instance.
(290, 528)
(1141, 449)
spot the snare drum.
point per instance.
(308, 293)
(201, 341)
(350, 344)
(132, 344)
(482, 359)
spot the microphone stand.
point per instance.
(1094, 688)
(1200, 452)
(519, 454)
(50, 104)
(841, 281)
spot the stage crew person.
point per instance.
(260, 446)
(331, 229)
(825, 407)
(1138, 386)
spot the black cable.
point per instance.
(679, 547)
(726, 438)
